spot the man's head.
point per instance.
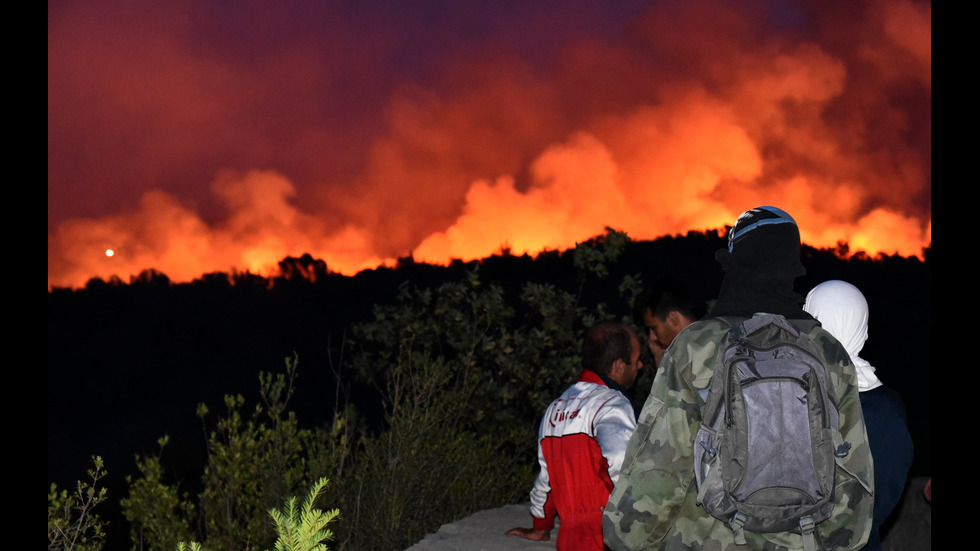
(667, 310)
(761, 263)
(612, 349)
(764, 237)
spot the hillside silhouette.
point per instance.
(128, 362)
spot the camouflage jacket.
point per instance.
(653, 505)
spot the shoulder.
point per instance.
(574, 392)
(705, 328)
(597, 394)
(833, 351)
(690, 359)
(612, 398)
(700, 338)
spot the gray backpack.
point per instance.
(764, 453)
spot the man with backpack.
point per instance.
(752, 436)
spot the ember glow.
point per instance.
(191, 138)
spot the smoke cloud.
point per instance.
(189, 143)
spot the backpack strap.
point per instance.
(806, 528)
(712, 408)
(738, 519)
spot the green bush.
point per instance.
(305, 529)
(158, 516)
(297, 530)
(424, 469)
(464, 373)
(254, 463)
(73, 524)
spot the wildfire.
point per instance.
(695, 117)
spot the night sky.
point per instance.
(193, 137)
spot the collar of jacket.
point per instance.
(589, 376)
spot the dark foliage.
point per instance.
(128, 363)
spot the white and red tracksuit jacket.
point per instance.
(581, 444)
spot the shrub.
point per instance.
(254, 462)
(158, 516)
(73, 524)
(463, 373)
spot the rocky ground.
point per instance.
(911, 529)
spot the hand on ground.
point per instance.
(529, 533)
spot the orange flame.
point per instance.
(500, 156)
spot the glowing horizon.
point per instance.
(361, 134)
(181, 264)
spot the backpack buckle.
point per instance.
(711, 451)
(806, 525)
(738, 519)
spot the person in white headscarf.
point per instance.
(842, 310)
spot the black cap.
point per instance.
(755, 218)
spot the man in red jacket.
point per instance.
(582, 440)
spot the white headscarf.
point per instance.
(843, 311)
